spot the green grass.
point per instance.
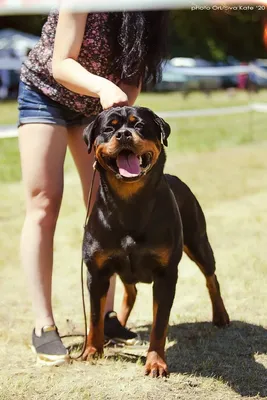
(188, 134)
(205, 362)
(9, 160)
(224, 162)
(176, 101)
(8, 112)
(165, 102)
(211, 133)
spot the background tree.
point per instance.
(212, 35)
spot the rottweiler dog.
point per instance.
(140, 224)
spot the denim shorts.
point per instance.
(36, 107)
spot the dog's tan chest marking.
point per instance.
(101, 257)
(125, 190)
(162, 254)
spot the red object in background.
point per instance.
(265, 32)
(242, 79)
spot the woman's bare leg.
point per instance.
(111, 294)
(42, 149)
(84, 164)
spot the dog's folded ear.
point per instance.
(89, 135)
(165, 129)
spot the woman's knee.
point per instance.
(43, 207)
(43, 149)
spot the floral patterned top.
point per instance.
(94, 56)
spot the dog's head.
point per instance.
(127, 140)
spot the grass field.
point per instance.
(223, 160)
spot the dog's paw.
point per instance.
(92, 353)
(155, 365)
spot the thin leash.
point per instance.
(82, 270)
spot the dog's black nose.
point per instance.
(124, 136)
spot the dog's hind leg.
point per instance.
(128, 301)
(201, 253)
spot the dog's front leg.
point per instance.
(98, 287)
(163, 295)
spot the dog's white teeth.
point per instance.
(140, 160)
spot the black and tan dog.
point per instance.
(141, 223)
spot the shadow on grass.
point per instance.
(224, 354)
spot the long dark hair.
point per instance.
(138, 45)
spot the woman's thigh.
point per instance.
(83, 160)
(42, 151)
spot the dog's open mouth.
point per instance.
(128, 164)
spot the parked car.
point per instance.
(176, 76)
(228, 81)
(172, 80)
(255, 80)
(206, 81)
(14, 46)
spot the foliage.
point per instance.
(214, 35)
(25, 23)
(209, 34)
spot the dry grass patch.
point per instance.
(206, 363)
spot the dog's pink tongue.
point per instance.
(128, 165)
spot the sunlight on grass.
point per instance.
(223, 160)
(8, 112)
(176, 101)
(231, 186)
(166, 102)
(188, 134)
(9, 160)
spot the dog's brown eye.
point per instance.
(114, 122)
(132, 118)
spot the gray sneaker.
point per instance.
(48, 347)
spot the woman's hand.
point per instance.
(112, 96)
